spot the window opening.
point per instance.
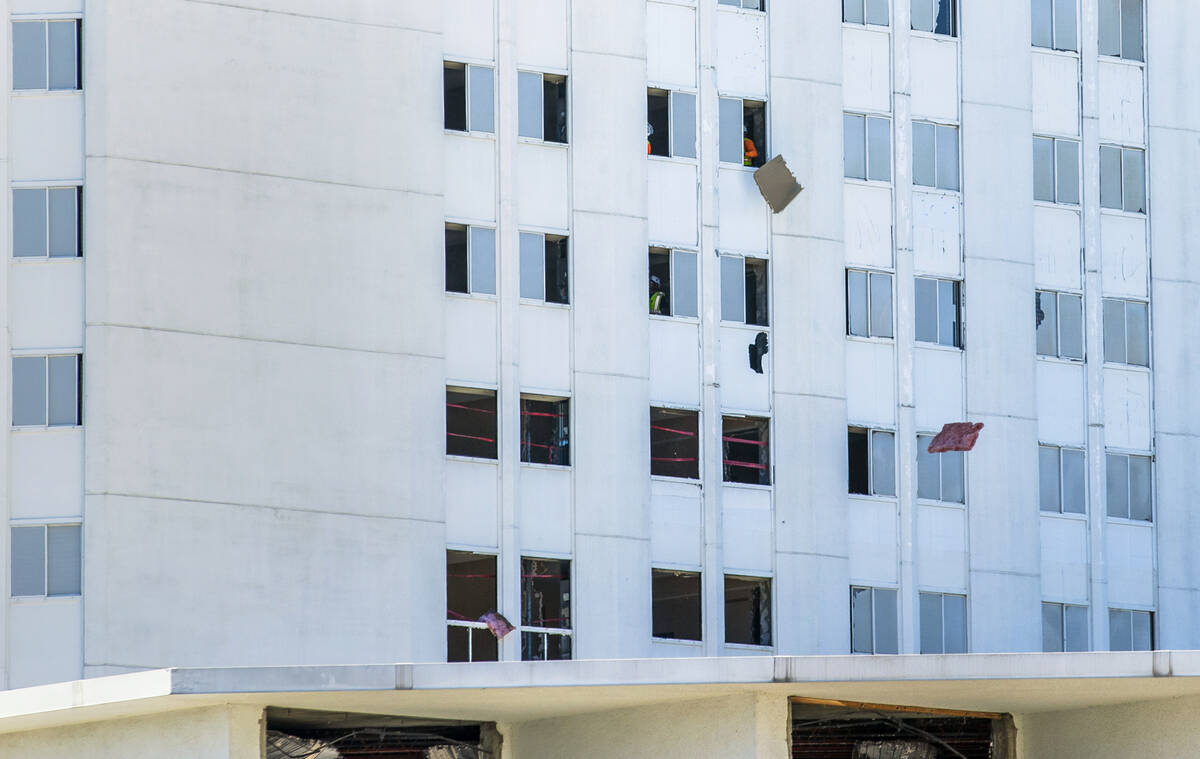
(1126, 332)
(674, 443)
(1130, 630)
(1064, 627)
(744, 290)
(868, 303)
(1062, 480)
(470, 594)
(545, 609)
(867, 147)
(874, 621)
(470, 259)
(47, 222)
(1130, 486)
(46, 55)
(545, 430)
(673, 282)
(1056, 170)
(748, 610)
(46, 560)
(471, 422)
(940, 476)
(750, 5)
(1059, 323)
(542, 106)
(872, 461)
(745, 445)
(1053, 23)
(935, 155)
(872, 12)
(938, 311)
(943, 623)
(1122, 179)
(676, 604)
(47, 391)
(469, 100)
(743, 131)
(936, 16)
(1121, 29)
(670, 123)
(544, 267)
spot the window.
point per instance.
(47, 391)
(937, 16)
(874, 621)
(670, 123)
(867, 147)
(674, 443)
(46, 560)
(939, 311)
(1056, 170)
(748, 610)
(744, 290)
(1062, 480)
(544, 267)
(872, 459)
(1064, 627)
(943, 623)
(676, 604)
(1130, 630)
(545, 430)
(868, 303)
(545, 609)
(935, 155)
(673, 289)
(1126, 332)
(46, 55)
(470, 593)
(1129, 485)
(874, 12)
(940, 476)
(469, 97)
(1054, 25)
(1121, 29)
(746, 450)
(1122, 179)
(542, 106)
(471, 422)
(753, 5)
(46, 222)
(470, 259)
(1059, 322)
(743, 131)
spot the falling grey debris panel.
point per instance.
(777, 183)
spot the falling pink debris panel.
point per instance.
(496, 622)
(956, 436)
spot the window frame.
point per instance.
(741, 6)
(699, 414)
(745, 258)
(866, 118)
(1063, 606)
(1054, 26)
(1056, 174)
(1151, 623)
(672, 259)
(871, 479)
(546, 239)
(870, 274)
(46, 394)
(471, 292)
(467, 66)
(560, 400)
(1059, 451)
(472, 390)
(874, 593)
(46, 19)
(1059, 295)
(767, 470)
(567, 632)
(560, 77)
(671, 122)
(659, 570)
(864, 4)
(762, 581)
(763, 149)
(472, 625)
(960, 337)
(923, 441)
(938, 128)
(1110, 454)
(1104, 301)
(45, 526)
(954, 23)
(1121, 34)
(45, 190)
(966, 616)
(1121, 152)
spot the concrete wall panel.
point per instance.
(872, 530)
(747, 529)
(46, 641)
(742, 388)
(871, 398)
(470, 493)
(1127, 408)
(546, 347)
(1061, 403)
(937, 233)
(942, 548)
(1064, 559)
(1130, 551)
(542, 34)
(542, 182)
(867, 69)
(675, 364)
(673, 203)
(1056, 248)
(671, 45)
(938, 387)
(470, 178)
(934, 72)
(46, 478)
(1055, 94)
(868, 226)
(1122, 103)
(743, 213)
(469, 30)
(676, 523)
(544, 512)
(1125, 269)
(46, 137)
(46, 299)
(741, 53)
(471, 340)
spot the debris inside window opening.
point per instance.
(545, 430)
(305, 734)
(829, 730)
(546, 607)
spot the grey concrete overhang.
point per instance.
(523, 691)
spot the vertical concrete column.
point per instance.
(995, 138)
(809, 351)
(6, 366)
(611, 603)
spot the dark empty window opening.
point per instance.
(658, 123)
(454, 91)
(554, 110)
(676, 604)
(470, 259)
(544, 267)
(545, 430)
(310, 734)
(748, 610)
(883, 732)
(470, 593)
(746, 450)
(872, 461)
(674, 443)
(471, 422)
(546, 608)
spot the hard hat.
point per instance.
(649, 129)
(654, 280)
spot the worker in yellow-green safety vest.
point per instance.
(656, 295)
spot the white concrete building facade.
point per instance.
(328, 330)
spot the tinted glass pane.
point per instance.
(63, 575)
(64, 391)
(852, 11)
(29, 55)
(1064, 25)
(454, 106)
(854, 146)
(879, 149)
(1052, 627)
(529, 104)
(456, 261)
(1137, 334)
(881, 305)
(683, 124)
(856, 303)
(926, 309)
(683, 284)
(924, 15)
(1043, 169)
(877, 12)
(1140, 488)
(860, 621)
(945, 17)
(1133, 180)
(1042, 22)
(64, 223)
(1116, 476)
(947, 157)
(948, 333)
(1067, 170)
(887, 635)
(1110, 177)
(1110, 27)
(29, 390)
(733, 289)
(1076, 628)
(1140, 633)
(482, 88)
(1048, 484)
(731, 130)
(931, 623)
(1131, 30)
(929, 477)
(1120, 630)
(1046, 318)
(923, 153)
(1114, 330)
(483, 260)
(1070, 326)
(857, 453)
(533, 266)
(29, 222)
(954, 612)
(64, 58)
(953, 486)
(28, 561)
(883, 463)
(1074, 482)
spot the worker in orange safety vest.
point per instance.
(749, 151)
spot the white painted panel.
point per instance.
(1123, 244)
(542, 185)
(1061, 403)
(470, 491)
(743, 388)
(544, 500)
(866, 70)
(675, 361)
(474, 40)
(871, 526)
(471, 339)
(868, 225)
(45, 642)
(1127, 408)
(937, 386)
(676, 523)
(1056, 246)
(670, 45)
(743, 212)
(47, 137)
(941, 548)
(1064, 559)
(46, 303)
(741, 54)
(47, 473)
(934, 79)
(1121, 106)
(1130, 550)
(542, 34)
(672, 196)
(747, 529)
(1055, 94)
(470, 177)
(18, 7)
(870, 382)
(545, 347)
(937, 240)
